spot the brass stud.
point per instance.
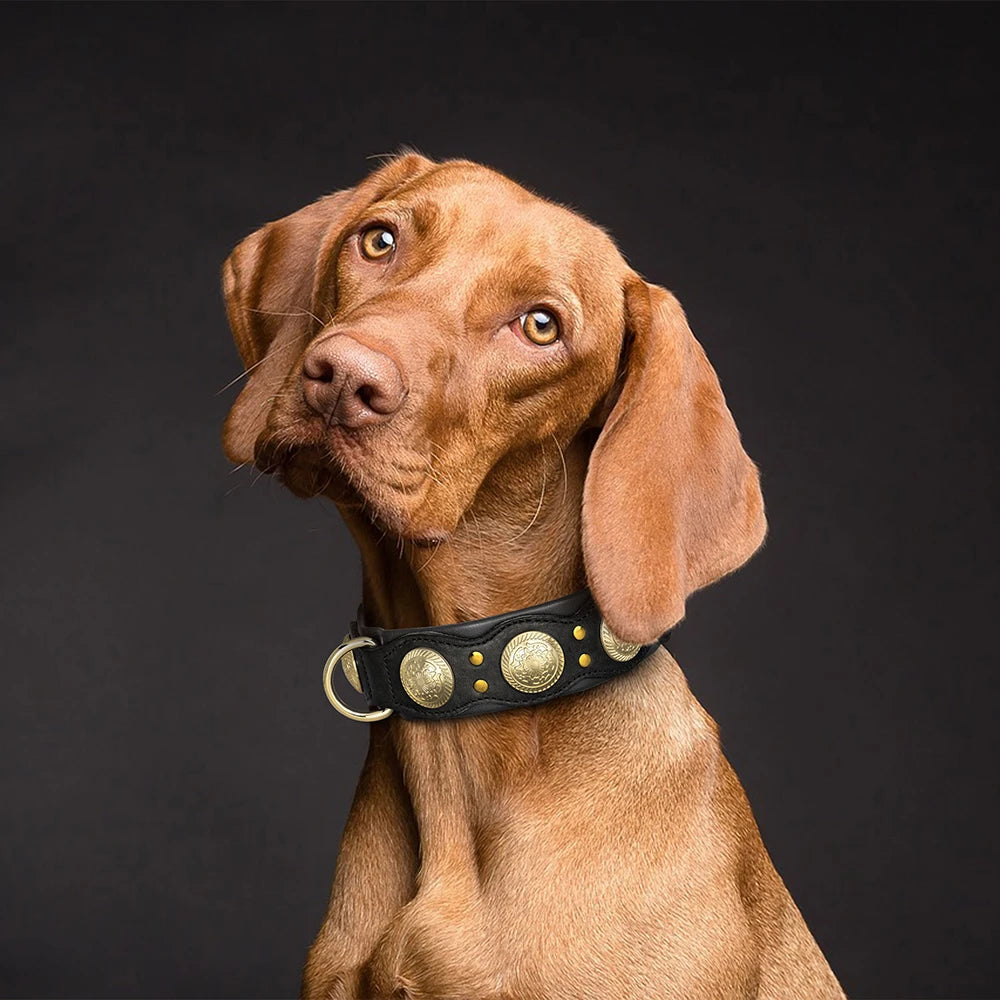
(532, 661)
(426, 677)
(481, 686)
(475, 658)
(616, 648)
(579, 632)
(585, 659)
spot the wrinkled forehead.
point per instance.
(469, 211)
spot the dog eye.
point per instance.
(377, 242)
(540, 326)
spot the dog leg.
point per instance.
(374, 878)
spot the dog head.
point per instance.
(413, 340)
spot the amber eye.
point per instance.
(540, 326)
(377, 242)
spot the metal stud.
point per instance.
(481, 686)
(532, 661)
(616, 648)
(579, 632)
(426, 677)
(475, 658)
(585, 659)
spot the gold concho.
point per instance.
(426, 677)
(532, 661)
(350, 667)
(615, 647)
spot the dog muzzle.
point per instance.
(492, 664)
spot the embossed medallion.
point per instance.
(532, 661)
(616, 648)
(426, 677)
(350, 667)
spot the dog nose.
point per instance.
(350, 384)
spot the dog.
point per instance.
(505, 412)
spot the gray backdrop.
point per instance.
(817, 183)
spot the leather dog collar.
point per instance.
(524, 657)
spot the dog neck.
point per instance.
(516, 548)
(518, 545)
(460, 776)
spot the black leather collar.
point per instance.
(493, 664)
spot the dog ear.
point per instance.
(270, 285)
(671, 501)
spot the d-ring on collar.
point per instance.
(492, 664)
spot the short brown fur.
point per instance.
(598, 845)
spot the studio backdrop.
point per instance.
(817, 184)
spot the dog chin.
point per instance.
(403, 526)
(303, 480)
(307, 471)
(428, 538)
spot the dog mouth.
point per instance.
(302, 468)
(356, 472)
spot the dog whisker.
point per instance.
(565, 475)
(426, 563)
(261, 473)
(534, 518)
(430, 465)
(431, 476)
(287, 394)
(243, 375)
(297, 314)
(479, 529)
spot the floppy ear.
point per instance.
(269, 283)
(671, 500)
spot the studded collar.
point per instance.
(524, 657)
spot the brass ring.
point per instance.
(335, 657)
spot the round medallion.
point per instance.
(532, 661)
(615, 647)
(426, 677)
(350, 667)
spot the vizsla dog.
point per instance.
(505, 413)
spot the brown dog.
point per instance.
(504, 413)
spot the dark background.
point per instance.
(817, 183)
